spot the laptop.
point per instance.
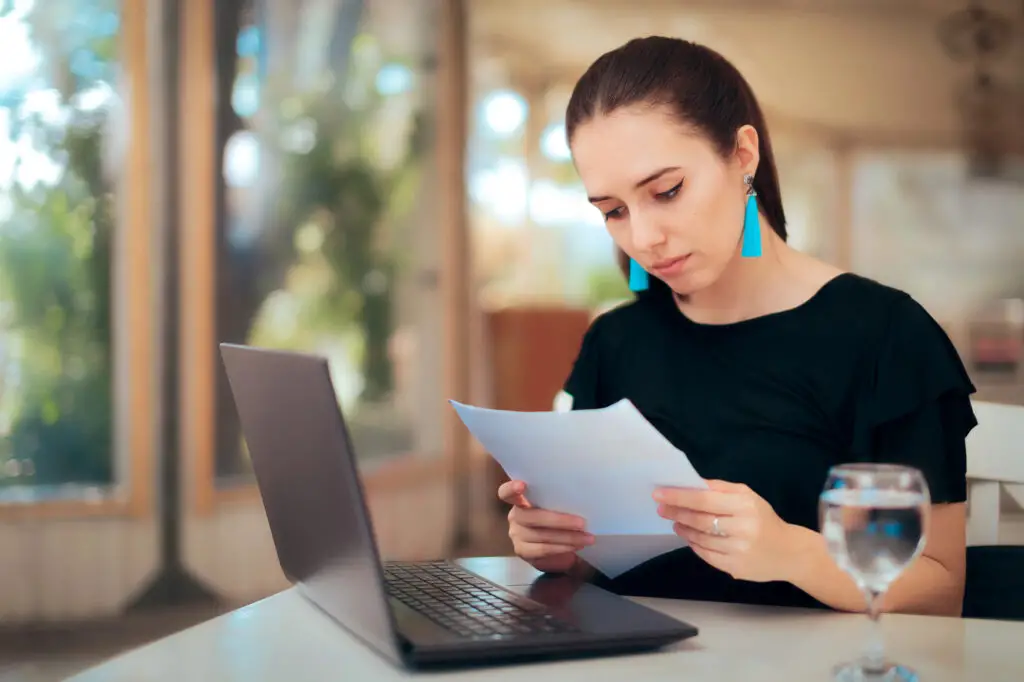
(418, 615)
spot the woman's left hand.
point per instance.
(748, 541)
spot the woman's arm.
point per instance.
(934, 584)
(753, 543)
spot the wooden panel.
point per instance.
(197, 251)
(18, 572)
(73, 570)
(137, 371)
(231, 551)
(532, 352)
(63, 509)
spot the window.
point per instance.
(324, 235)
(537, 237)
(61, 119)
(924, 224)
(809, 181)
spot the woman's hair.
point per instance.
(699, 86)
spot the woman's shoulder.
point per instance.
(851, 287)
(614, 319)
(878, 308)
(912, 361)
(625, 328)
(891, 337)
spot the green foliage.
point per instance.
(55, 274)
(606, 284)
(55, 266)
(343, 189)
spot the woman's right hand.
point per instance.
(547, 540)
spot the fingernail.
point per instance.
(658, 495)
(588, 539)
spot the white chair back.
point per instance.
(995, 463)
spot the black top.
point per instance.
(858, 373)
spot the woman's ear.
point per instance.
(748, 153)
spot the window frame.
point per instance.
(135, 317)
(198, 261)
(197, 257)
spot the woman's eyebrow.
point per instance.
(650, 178)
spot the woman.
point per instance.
(764, 365)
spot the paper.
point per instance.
(613, 555)
(602, 465)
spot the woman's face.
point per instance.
(669, 199)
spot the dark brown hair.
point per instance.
(700, 86)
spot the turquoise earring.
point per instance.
(639, 280)
(751, 223)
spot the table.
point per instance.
(285, 639)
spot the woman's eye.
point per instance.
(672, 192)
(614, 213)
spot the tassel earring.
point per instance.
(751, 223)
(638, 277)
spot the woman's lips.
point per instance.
(669, 266)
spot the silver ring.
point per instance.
(715, 529)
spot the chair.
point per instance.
(995, 582)
(995, 463)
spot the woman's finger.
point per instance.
(514, 493)
(720, 561)
(570, 538)
(543, 518)
(708, 501)
(709, 543)
(701, 521)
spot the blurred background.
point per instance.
(387, 183)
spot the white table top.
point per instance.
(285, 639)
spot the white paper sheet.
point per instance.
(602, 465)
(613, 555)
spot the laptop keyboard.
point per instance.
(463, 603)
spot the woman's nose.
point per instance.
(646, 232)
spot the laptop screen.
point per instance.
(306, 471)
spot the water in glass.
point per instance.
(874, 534)
(874, 518)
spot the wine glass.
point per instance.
(874, 519)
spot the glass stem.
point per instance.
(874, 656)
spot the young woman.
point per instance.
(764, 365)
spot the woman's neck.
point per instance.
(749, 287)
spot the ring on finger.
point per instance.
(715, 529)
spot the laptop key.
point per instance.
(467, 605)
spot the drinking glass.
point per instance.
(874, 518)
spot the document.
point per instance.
(602, 465)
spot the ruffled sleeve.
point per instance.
(583, 384)
(914, 407)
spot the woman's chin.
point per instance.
(687, 283)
